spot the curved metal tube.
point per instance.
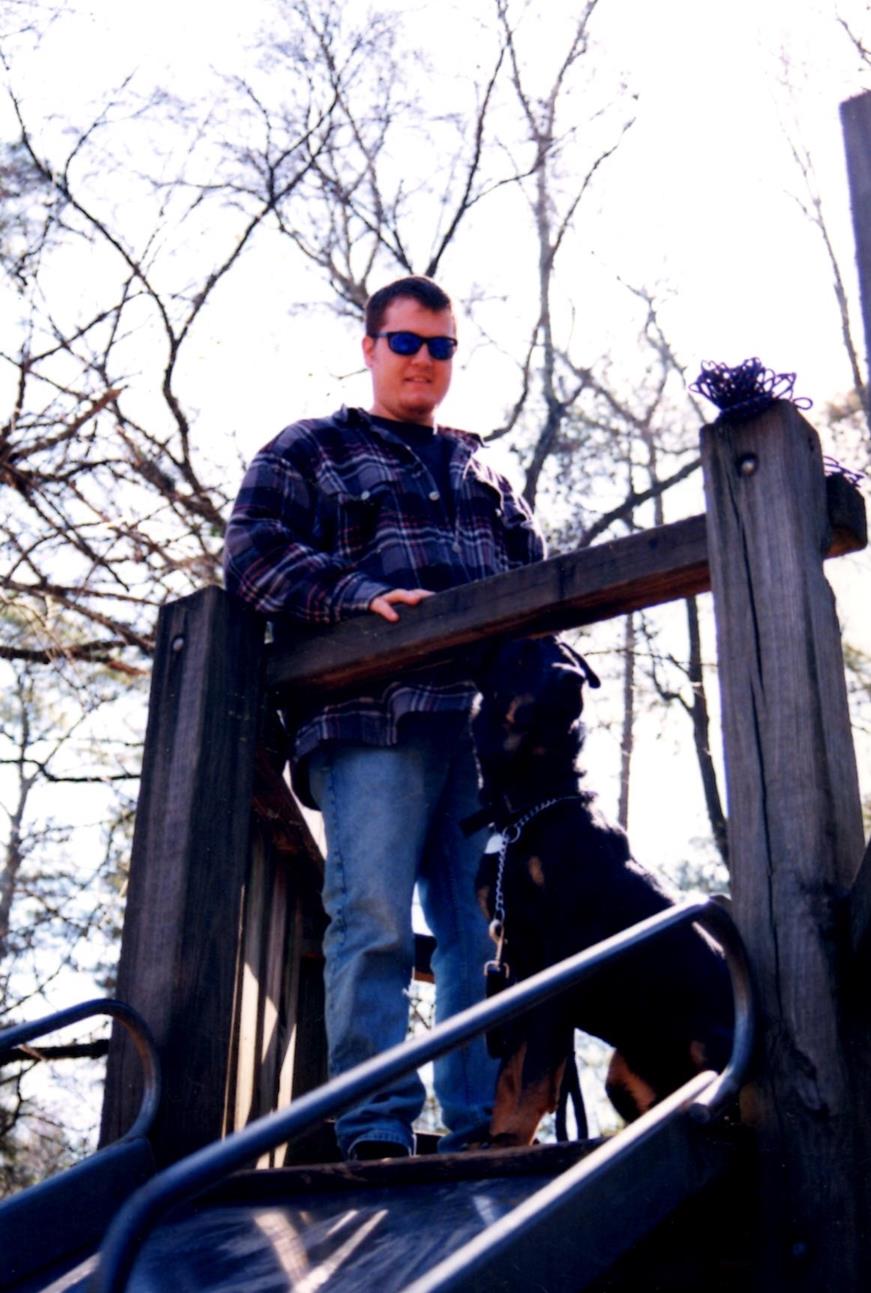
(193, 1174)
(136, 1027)
(717, 919)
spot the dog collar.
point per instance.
(501, 841)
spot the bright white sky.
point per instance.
(702, 202)
(698, 196)
(705, 178)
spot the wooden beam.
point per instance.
(856, 126)
(190, 852)
(579, 588)
(795, 838)
(597, 583)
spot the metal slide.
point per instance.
(43, 1228)
(551, 1217)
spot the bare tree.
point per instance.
(46, 901)
(120, 502)
(557, 176)
(853, 26)
(370, 209)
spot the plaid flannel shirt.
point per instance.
(335, 511)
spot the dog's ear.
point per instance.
(589, 675)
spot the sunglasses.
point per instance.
(409, 343)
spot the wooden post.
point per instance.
(795, 841)
(856, 125)
(180, 946)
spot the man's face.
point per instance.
(409, 388)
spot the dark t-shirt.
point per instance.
(432, 449)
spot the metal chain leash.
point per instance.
(510, 835)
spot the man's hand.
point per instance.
(384, 604)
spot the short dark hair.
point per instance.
(417, 287)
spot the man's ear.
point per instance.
(368, 347)
(589, 675)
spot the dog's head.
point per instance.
(528, 735)
(529, 708)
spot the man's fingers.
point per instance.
(382, 607)
(409, 596)
(384, 604)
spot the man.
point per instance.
(365, 512)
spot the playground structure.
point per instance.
(218, 951)
(220, 948)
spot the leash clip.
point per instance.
(496, 972)
(497, 975)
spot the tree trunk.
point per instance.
(701, 733)
(627, 740)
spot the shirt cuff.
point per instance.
(353, 593)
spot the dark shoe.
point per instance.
(367, 1151)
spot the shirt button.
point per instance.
(456, 547)
(367, 493)
(434, 495)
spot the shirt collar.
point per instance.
(360, 417)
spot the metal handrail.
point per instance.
(191, 1175)
(139, 1032)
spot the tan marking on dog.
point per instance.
(621, 1078)
(484, 900)
(525, 699)
(699, 1056)
(518, 1109)
(536, 871)
(513, 740)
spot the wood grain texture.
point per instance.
(181, 930)
(795, 835)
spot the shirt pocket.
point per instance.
(492, 524)
(354, 504)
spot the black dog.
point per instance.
(568, 881)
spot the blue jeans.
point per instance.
(392, 817)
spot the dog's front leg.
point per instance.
(630, 1095)
(521, 1102)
